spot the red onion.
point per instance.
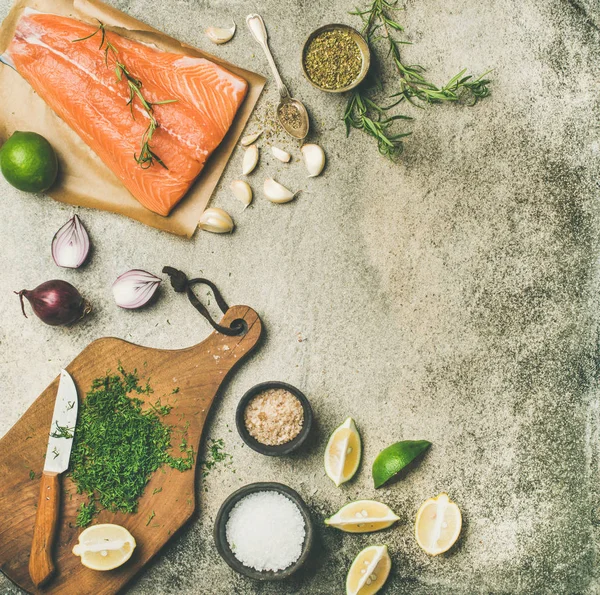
(55, 302)
(135, 289)
(71, 244)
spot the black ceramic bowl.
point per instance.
(221, 537)
(281, 449)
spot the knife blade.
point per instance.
(58, 454)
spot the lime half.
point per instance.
(28, 162)
(391, 460)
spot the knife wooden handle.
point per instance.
(41, 566)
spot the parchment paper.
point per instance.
(84, 180)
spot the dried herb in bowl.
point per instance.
(333, 60)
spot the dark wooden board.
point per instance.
(198, 372)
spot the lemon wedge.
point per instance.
(369, 571)
(438, 525)
(105, 547)
(342, 455)
(363, 516)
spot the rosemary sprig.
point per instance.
(147, 156)
(364, 113)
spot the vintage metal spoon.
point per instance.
(286, 102)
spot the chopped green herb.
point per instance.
(55, 452)
(87, 512)
(215, 455)
(32, 474)
(150, 518)
(62, 432)
(70, 405)
(118, 445)
(156, 491)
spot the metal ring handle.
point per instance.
(181, 284)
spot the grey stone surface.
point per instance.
(452, 296)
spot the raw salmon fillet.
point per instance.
(74, 80)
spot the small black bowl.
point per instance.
(280, 449)
(220, 535)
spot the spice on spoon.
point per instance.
(290, 116)
(274, 417)
(333, 60)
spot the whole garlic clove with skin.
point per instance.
(250, 160)
(277, 193)
(220, 35)
(314, 159)
(242, 191)
(216, 220)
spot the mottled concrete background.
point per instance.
(452, 297)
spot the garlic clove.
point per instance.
(250, 160)
(216, 221)
(277, 193)
(250, 138)
(314, 159)
(280, 154)
(220, 35)
(242, 191)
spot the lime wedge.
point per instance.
(391, 460)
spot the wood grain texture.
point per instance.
(198, 372)
(41, 565)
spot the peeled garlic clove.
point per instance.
(242, 191)
(216, 221)
(277, 193)
(250, 160)
(314, 159)
(281, 154)
(250, 138)
(220, 35)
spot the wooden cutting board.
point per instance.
(198, 372)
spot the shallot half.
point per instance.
(55, 302)
(135, 289)
(71, 244)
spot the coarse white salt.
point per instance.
(266, 531)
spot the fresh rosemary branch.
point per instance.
(147, 156)
(364, 113)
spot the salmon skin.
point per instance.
(74, 80)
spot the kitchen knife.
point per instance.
(58, 453)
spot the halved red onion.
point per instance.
(71, 244)
(135, 288)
